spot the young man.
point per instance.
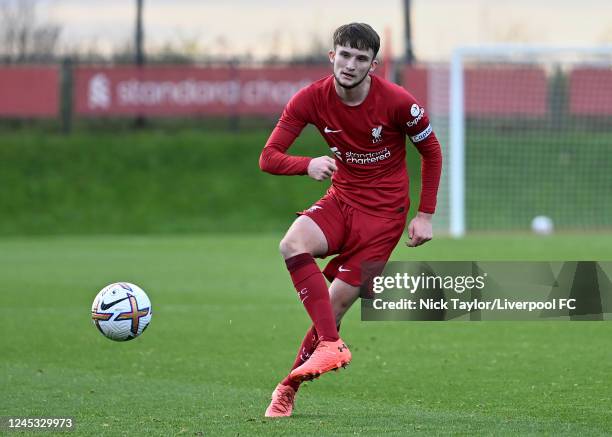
(364, 120)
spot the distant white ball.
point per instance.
(542, 225)
(121, 311)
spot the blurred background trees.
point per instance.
(23, 36)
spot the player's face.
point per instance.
(351, 66)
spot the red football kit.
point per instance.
(364, 211)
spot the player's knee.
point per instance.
(290, 246)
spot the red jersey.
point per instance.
(368, 142)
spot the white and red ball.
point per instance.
(121, 311)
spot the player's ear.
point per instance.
(332, 55)
(373, 65)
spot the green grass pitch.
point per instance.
(226, 326)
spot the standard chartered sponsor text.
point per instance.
(367, 158)
(204, 92)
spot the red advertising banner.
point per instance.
(590, 91)
(29, 92)
(506, 92)
(489, 92)
(416, 81)
(180, 91)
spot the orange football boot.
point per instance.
(328, 355)
(283, 398)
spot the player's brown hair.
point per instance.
(358, 36)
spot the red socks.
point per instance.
(312, 291)
(306, 349)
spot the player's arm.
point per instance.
(274, 158)
(420, 229)
(415, 123)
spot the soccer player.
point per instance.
(365, 120)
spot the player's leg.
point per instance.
(303, 236)
(325, 356)
(307, 347)
(318, 232)
(372, 244)
(303, 241)
(342, 296)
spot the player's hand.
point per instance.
(321, 168)
(419, 230)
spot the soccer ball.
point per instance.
(542, 225)
(121, 311)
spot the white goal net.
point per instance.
(526, 131)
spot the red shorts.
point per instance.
(355, 236)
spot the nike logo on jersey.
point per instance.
(330, 131)
(105, 306)
(341, 269)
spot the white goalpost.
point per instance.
(526, 131)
